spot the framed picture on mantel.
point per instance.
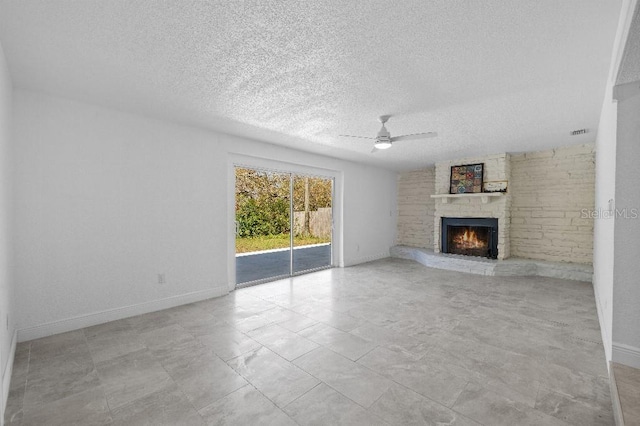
(466, 179)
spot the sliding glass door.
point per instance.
(263, 225)
(283, 224)
(312, 223)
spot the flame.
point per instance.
(468, 240)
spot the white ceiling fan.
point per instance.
(384, 140)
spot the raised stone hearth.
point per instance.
(482, 266)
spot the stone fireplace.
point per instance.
(491, 208)
(543, 228)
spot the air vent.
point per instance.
(579, 132)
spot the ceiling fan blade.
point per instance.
(414, 136)
(359, 137)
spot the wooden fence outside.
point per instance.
(319, 222)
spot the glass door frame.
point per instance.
(262, 164)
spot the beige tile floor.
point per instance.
(386, 343)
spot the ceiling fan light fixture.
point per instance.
(382, 144)
(384, 140)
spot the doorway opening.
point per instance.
(284, 224)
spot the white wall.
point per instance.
(6, 245)
(369, 213)
(612, 181)
(626, 271)
(604, 221)
(106, 200)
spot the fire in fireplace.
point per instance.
(469, 240)
(470, 236)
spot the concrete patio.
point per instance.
(275, 263)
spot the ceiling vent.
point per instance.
(579, 132)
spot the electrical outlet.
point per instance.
(162, 279)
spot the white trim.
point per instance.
(365, 259)
(603, 330)
(87, 320)
(6, 376)
(484, 196)
(231, 223)
(626, 354)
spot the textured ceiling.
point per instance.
(630, 66)
(489, 76)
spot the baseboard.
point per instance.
(82, 321)
(6, 375)
(365, 259)
(625, 354)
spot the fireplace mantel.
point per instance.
(485, 197)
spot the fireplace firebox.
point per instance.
(470, 236)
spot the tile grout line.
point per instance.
(320, 382)
(104, 395)
(285, 360)
(178, 387)
(367, 353)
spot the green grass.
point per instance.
(244, 245)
